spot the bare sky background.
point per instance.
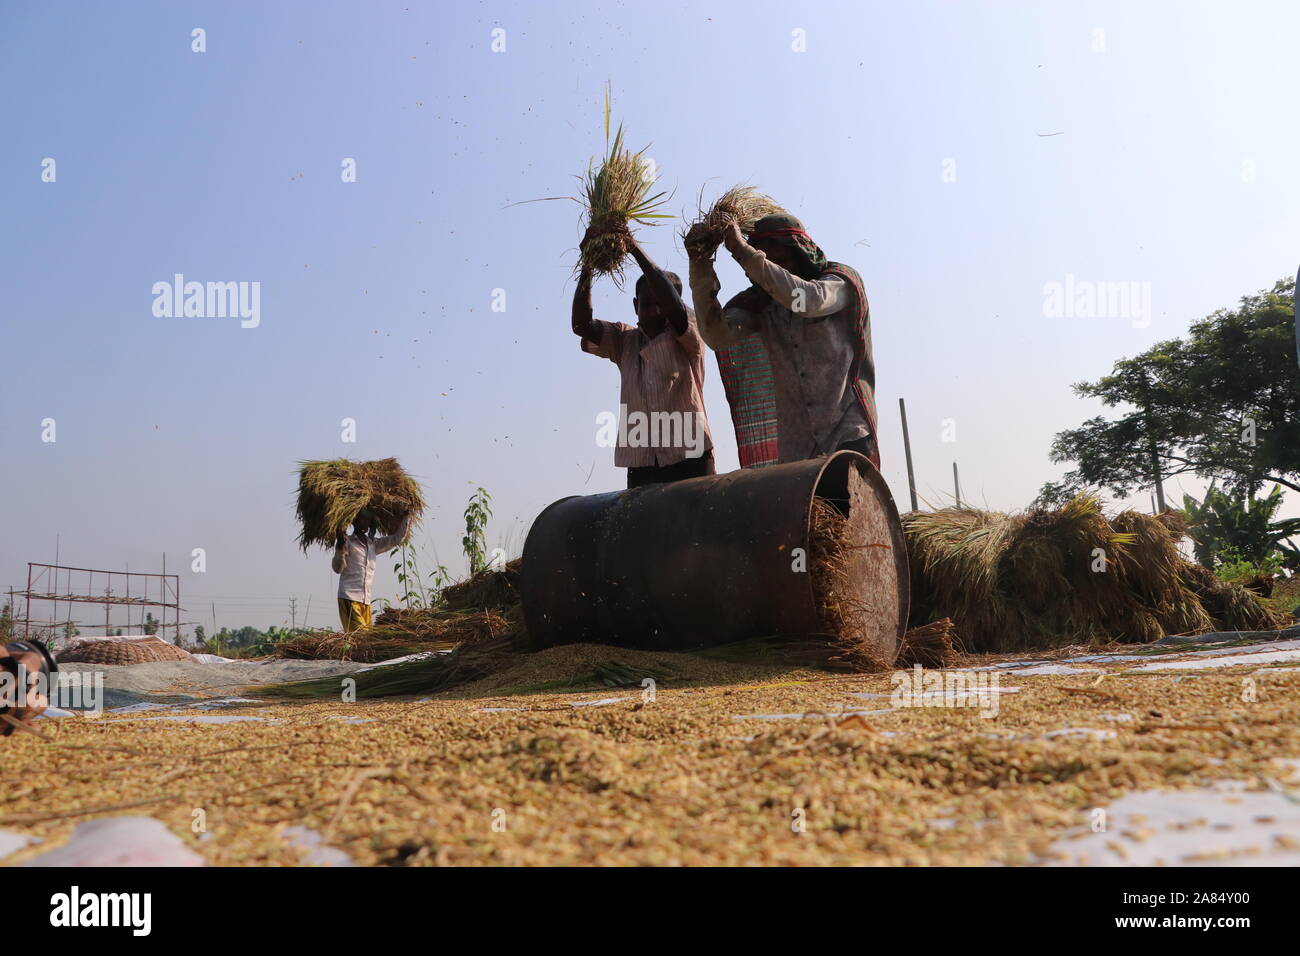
(1152, 143)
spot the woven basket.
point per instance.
(145, 650)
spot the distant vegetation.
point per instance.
(1221, 404)
(243, 641)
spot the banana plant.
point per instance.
(1242, 523)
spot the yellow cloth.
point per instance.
(354, 615)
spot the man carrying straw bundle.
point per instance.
(663, 433)
(354, 563)
(814, 320)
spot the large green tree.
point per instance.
(1221, 403)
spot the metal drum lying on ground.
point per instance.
(712, 560)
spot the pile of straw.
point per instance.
(743, 205)
(491, 588)
(1233, 603)
(332, 493)
(480, 624)
(397, 633)
(1033, 580)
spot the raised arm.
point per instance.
(809, 299)
(719, 328)
(582, 324)
(389, 541)
(665, 293)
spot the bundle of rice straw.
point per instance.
(1071, 576)
(616, 194)
(332, 493)
(474, 611)
(1233, 605)
(743, 205)
(930, 645)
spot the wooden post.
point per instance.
(956, 484)
(907, 451)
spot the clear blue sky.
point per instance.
(180, 433)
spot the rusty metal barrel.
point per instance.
(709, 561)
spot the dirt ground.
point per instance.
(727, 764)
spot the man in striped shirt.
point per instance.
(663, 432)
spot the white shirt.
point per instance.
(359, 561)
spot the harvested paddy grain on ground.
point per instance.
(703, 774)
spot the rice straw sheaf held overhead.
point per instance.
(617, 194)
(332, 493)
(743, 205)
(1043, 578)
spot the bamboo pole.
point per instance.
(907, 451)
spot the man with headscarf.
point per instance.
(814, 321)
